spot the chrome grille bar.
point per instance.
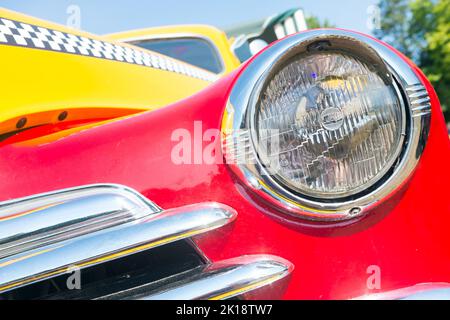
(40, 220)
(106, 245)
(230, 278)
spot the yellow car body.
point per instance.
(40, 86)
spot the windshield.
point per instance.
(195, 51)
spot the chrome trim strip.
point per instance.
(228, 279)
(419, 99)
(101, 246)
(241, 110)
(39, 220)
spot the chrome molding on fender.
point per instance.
(419, 99)
(240, 115)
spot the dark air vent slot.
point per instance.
(118, 275)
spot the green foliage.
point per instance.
(313, 23)
(435, 57)
(421, 30)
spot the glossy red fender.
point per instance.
(408, 239)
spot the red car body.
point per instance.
(407, 237)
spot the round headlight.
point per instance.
(328, 125)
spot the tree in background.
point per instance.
(421, 30)
(313, 23)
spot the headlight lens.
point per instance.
(328, 125)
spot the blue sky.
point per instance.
(106, 16)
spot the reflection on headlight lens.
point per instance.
(328, 125)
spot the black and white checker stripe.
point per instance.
(16, 33)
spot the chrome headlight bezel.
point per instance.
(240, 114)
